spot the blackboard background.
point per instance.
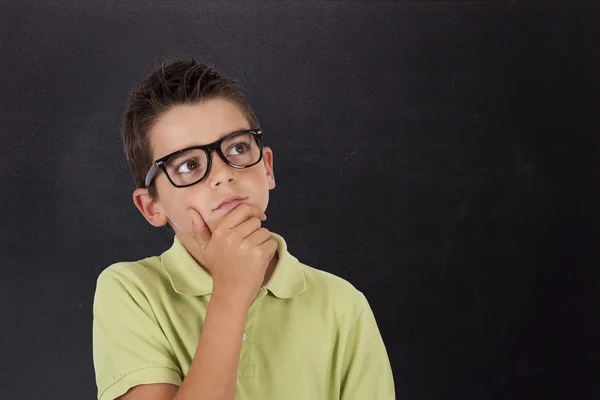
(441, 156)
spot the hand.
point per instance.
(237, 253)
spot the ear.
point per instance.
(268, 159)
(149, 207)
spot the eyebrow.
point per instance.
(196, 144)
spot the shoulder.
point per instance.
(147, 269)
(139, 278)
(336, 291)
(324, 280)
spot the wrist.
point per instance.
(231, 299)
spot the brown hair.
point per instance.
(170, 84)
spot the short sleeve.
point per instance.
(129, 348)
(367, 373)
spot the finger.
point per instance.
(199, 228)
(259, 236)
(241, 213)
(247, 227)
(270, 247)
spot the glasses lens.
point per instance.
(187, 167)
(241, 150)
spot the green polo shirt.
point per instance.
(309, 334)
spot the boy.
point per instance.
(226, 313)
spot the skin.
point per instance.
(230, 245)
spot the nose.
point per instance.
(220, 172)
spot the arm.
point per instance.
(237, 253)
(366, 373)
(213, 375)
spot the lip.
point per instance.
(229, 202)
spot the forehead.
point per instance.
(195, 124)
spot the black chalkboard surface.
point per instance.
(444, 157)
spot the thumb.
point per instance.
(200, 230)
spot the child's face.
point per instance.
(192, 125)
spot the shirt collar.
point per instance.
(288, 278)
(187, 277)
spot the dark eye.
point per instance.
(188, 166)
(237, 149)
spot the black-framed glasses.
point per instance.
(189, 166)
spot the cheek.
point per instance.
(265, 202)
(262, 193)
(177, 209)
(179, 218)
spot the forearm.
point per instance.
(213, 372)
